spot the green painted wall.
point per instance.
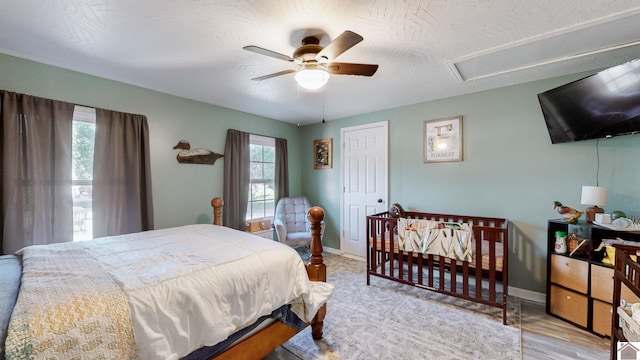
(510, 169)
(181, 192)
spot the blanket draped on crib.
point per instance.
(452, 240)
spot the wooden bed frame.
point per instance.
(277, 333)
(463, 280)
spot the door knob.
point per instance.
(380, 200)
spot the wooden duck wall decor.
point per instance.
(195, 156)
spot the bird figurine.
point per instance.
(570, 214)
(195, 156)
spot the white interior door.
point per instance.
(364, 182)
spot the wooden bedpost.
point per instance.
(316, 269)
(217, 203)
(277, 333)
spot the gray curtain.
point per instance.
(122, 201)
(37, 205)
(282, 169)
(236, 179)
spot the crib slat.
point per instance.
(465, 278)
(491, 235)
(441, 275)
(371, 249)
(410, 266)
(430, 269)
(385, 251)
(453, 278)
(420, 262)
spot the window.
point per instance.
(262, 175)
(84, 130)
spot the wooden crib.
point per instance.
(462, 279)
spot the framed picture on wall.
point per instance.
(443, 139)
(322, 154)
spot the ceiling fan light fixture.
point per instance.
(316, 62)
(312, 79)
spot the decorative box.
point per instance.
(265, 224)
(258, 225)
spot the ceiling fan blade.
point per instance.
(263, 51)
(339, 68)
(284, 72)
(339, 45)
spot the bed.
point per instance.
(626, 276)
(460, 272)
(190, 292)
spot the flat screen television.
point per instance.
(602, 105)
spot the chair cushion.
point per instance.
(298, 238)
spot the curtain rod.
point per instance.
(69, 102)
(250, 133)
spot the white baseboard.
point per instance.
(513, 291)
(338, 252)
(528, 294)
(332, 250)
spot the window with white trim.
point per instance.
(262, 177)
(83, 139)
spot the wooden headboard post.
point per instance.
(217, 203)
(316, 269)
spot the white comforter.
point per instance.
(195, 285)
(192, 286)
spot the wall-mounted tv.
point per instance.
(602, 105)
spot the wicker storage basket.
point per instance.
(253, 226)
(572, 243)
(630, 327)
(265, 224)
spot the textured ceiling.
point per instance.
(425, 49)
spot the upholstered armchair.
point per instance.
(291, 223)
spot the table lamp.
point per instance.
(594, 196)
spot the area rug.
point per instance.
(387, 320)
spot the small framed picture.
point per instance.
(443, 139)
(322, 154)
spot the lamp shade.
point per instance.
(594, 195)
(312, 79)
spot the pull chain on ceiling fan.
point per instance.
(323, 120)
(315, 63)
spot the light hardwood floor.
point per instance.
(543, 337)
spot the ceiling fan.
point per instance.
(315, 62)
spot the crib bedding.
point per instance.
(451, 240)
(485, 246)
(182, 288)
